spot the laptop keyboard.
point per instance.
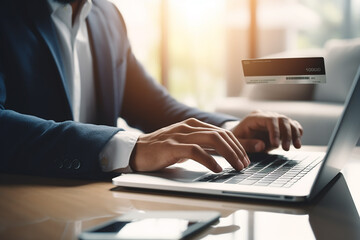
(267, 170)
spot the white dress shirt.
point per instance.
(78, 66)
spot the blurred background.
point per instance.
(194, 47)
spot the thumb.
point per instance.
(252, 145)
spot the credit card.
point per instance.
(284, 70)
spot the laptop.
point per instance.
(293, 176)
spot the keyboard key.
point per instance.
(222, 178)
(261, 184)
(208, 177)
(281, 181)
(248, 182)
(266, 170)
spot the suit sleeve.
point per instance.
(31, 145)
(34, 146)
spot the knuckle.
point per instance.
(298, 125)
(284, 121)
(191, 120)
(183, 128)
(195, 150)
(215, 136)
(273, 120)
(175, 137)
(228, 132)
(283, 118)
(168, 143)
(224, 132)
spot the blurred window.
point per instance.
(194, 47)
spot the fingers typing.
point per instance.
(188, 139)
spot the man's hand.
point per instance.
(191, 139)
(264, 131)
(187, 140)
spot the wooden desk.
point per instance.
(44, 208)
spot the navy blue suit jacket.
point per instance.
(37, 132)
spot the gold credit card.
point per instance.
(284, 70)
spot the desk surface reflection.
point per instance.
(43, 208)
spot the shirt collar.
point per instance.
(84, 11)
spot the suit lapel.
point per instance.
(103, 71)
(43, 23)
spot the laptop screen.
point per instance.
(343, 139)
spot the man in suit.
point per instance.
(67, 72)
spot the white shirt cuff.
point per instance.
(116, 153)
